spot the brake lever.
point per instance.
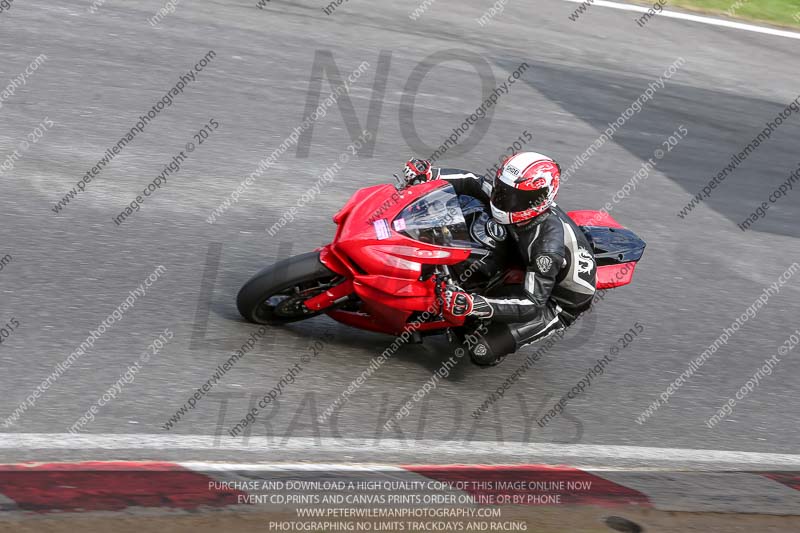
(440, 279)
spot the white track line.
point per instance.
(425, 450)
(695, 18)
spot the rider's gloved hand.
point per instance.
(459, 304)
(417, 171)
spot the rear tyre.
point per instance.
(276, 295)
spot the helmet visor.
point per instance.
(511, 200)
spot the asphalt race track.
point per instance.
(70, 270)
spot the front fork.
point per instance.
(337, 294)
(331, 297)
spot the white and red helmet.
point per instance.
(525, 186)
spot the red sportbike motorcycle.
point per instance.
(394, 246)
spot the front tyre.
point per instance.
(277, 294)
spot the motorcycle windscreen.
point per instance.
(436, 219)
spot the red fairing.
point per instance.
(360, 196)
(593, 218)
(611, 276)
(329, 259)
(384, 265)
(397, 286)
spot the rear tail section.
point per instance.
(616, 248)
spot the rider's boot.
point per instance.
(487, 344)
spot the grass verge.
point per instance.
(777, 12)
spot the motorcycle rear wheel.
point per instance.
(276, 295)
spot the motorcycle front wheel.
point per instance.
(276, 295)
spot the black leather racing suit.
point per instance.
(560, 272)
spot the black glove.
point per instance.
(458, 303)
(417, 171)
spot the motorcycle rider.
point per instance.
(560, 268)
